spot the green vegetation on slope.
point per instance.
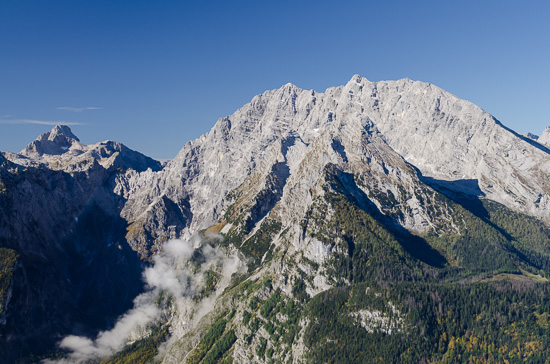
(444, 323)
(529, 236)
(258, 245)
(413, 308)
(215, 344)
(8, 258)
(416, 313)
(394, 298)
(142, 351)
(477, 247)
(222, 346)
(207, 341)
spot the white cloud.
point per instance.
(78, 109)
(174, 271)
(39, 122)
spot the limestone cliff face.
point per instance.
(451, 142)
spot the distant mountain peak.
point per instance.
(54, 142)
(58, 132)
(61, 149)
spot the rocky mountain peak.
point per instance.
(358, 79)
(441, 135)
(56, 141)
(60, 149)
(58, 132)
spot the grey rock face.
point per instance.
(452, 142)
(450, 139)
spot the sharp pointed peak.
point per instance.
(58, 130)
(358, 79)
(56, 141)
(289, 86)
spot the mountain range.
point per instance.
(375, 222)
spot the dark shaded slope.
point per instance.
(75, 273)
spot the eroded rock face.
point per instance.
(450, 139)
(452, 143)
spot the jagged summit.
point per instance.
(54, 142)
(442, 135)
(288, 130)
(358, 79)
(58, 132)
(61, 149)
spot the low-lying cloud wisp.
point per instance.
(179, 271)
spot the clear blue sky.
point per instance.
(160, 73)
